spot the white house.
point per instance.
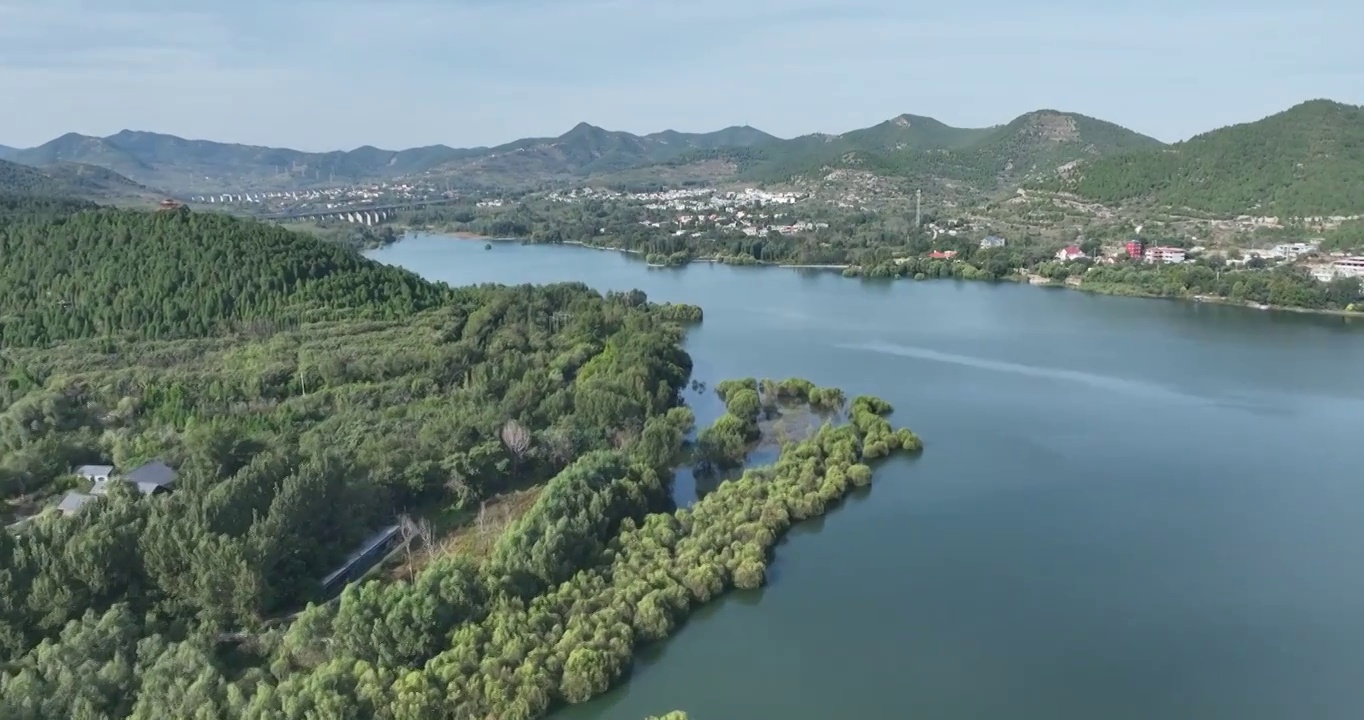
(1163, 254)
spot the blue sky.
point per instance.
(401, 73)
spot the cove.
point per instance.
(1127, 508)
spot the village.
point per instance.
(691, 211)
(1323, 266)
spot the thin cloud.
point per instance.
(321, 75)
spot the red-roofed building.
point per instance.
(943, 254)
(1070, 252)
(1135, 248)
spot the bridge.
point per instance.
(365, 215)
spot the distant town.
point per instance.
(693, 211)
(344, 197)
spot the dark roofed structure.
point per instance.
(150, 478)
(72, 502)
(155, 476)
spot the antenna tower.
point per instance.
(918, 208)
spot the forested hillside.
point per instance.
(108, 272)
(71, 180)
(1305, 161)
(16, 179)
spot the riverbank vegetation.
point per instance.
(351, 235)
(1286, 287)
(888, 245)
(554, 615)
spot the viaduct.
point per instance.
(371, 215)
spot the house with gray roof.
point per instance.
(73, 502)
(95, 473)
(153, 477)
(150, 478)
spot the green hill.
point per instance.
(72, 180)
(109, 272)
(16, 179)
(184, 165)
(922, 148)
(6, 151)
(1307, 160)
(588, 150)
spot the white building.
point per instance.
(1352, 266)
(1292, 250)
(1163, 254)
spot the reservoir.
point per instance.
(1126, 509)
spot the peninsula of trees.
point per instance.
(305, 397)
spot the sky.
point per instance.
(337, 74)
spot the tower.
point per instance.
(918, 208)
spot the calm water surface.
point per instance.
(1126, 509)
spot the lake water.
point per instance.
(1126, 508)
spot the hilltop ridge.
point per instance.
(1306, 160)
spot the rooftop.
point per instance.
(74, 501)
(148, 477)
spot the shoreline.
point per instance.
(1025, 278)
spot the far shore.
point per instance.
(1117, 292)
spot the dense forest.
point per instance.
(551, 615)
(107, 272)
(329, 397)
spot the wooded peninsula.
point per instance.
(521, 441)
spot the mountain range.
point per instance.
(907, 145)
(182, 165)
(1307, 159)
